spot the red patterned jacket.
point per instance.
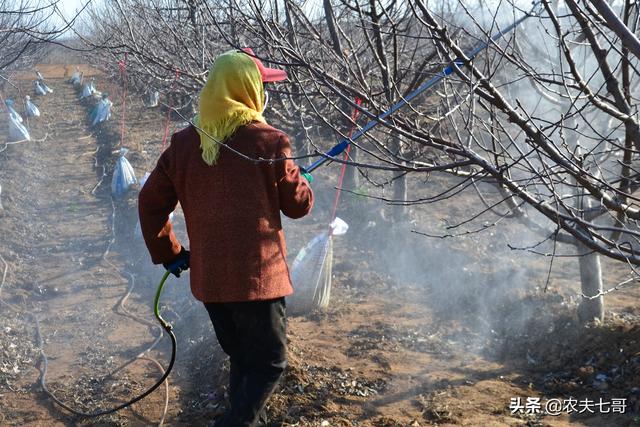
(232, 212)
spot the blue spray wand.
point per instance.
(342, 145)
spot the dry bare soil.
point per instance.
(420, 331)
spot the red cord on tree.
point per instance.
(354, 117)
(123, 76)
(170, 107)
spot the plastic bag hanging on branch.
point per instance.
(76, 77)
(17, 131)
(30, 108)
(39, 89)
(88, 89)
(12, 112)
(123, 175)
(311, 271)
(152, 98)
(102, 111)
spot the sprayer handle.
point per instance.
(306, 174)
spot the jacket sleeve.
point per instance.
(296, 196)
(156, 201)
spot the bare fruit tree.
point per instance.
(25, 27)
(547, 114)
(169, 44)
(542, 122)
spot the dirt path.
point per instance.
(55, 235)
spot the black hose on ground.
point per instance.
(45, 364)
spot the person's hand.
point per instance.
(179, 264)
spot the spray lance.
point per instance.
(342, 145)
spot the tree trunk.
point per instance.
(590, 269)
(399, 212)
(591, 281)
(300, 140)
(351, 178)
(590, 277)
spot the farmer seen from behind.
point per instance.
(232, 202)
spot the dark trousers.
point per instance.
(253, 334)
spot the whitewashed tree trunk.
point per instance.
(399, 183)
(591, 282)
(590, 270)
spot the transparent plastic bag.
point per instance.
(311, 290)
(101, 112)
(123, 175)
(152, 98)
(312, 269)
(39, 88)
(88, 89)
(30, 108)
(17, 131)
(12, 112)
(75, 77)
(338, 227)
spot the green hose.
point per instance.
(156, 301)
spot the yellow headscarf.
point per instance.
(233, 96)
